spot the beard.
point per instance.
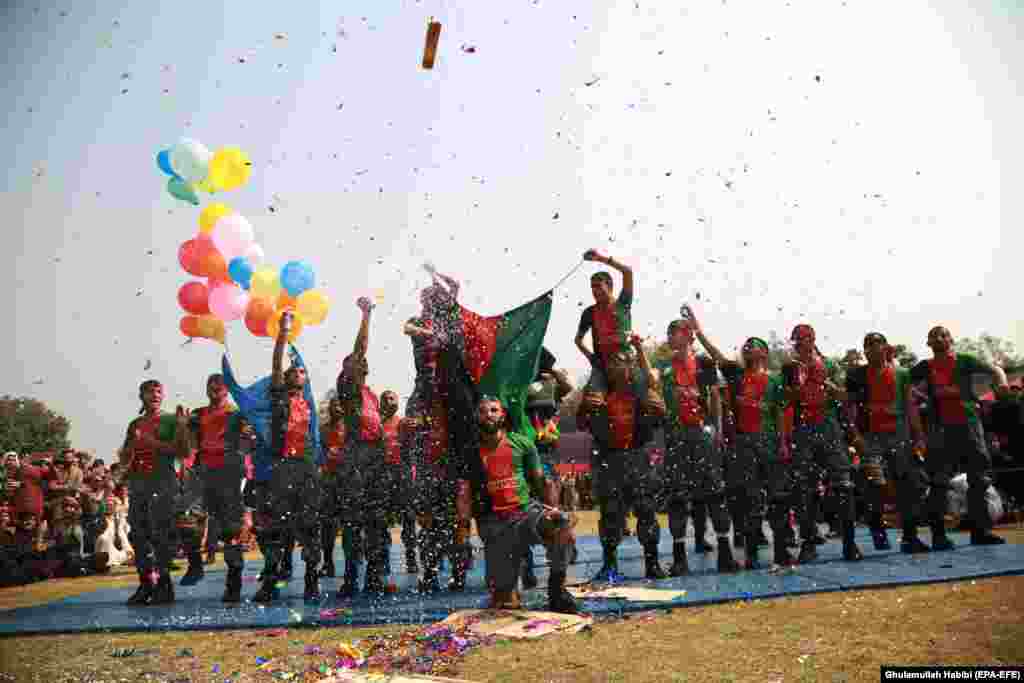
(489, 428)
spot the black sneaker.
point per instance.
(986, 538)
(163, 594)
(914, 545)
(233, 587)
(808, 552)
(880, 539)
(143, 595)
(562, 602)
(194, 575)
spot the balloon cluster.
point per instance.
(191, 166)
(238, 283)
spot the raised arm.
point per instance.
(626, 271)
(451, 283)
(277, 372)
(712, 350)
(363, 337)
(411, 329)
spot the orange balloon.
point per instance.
(284, 301)
(273, 326)
(190, 326)
(212, 264)
(256, 315)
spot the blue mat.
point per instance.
(199, 607)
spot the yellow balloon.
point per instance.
(211, 327)
(229, 168)
(274, 326)
(311, 307)
(206, 185)
(265, 283)
(209, 216)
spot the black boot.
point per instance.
(808, 552)
(163, 594)
(851, 552)
(287, 570)
(679, 567)
(609, 572)
(350, 584)
(460, 558)
(143, 595)
(750, 548)
(529, 575)
(233, 586)
(911, 543)
(268, 590)
(312, 588)
(880, 538)
(940, 541)
(726, 562)
(878, 533)
(328, 568)
(653, 570)
(986, 538)
(738, 540)
(559, 599)
(195, 572)
(574, 554)
(411, 565)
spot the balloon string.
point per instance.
(187, 342)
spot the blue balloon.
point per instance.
(297, 277)
(163, 160)
(240, 271)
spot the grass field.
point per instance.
(829, 637)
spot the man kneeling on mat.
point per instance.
(494, 487)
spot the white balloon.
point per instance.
(255, 255)
(233, 235)
(191, 160)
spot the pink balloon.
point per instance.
(232, 236)
(228, 302)
(255, 255)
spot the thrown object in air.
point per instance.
(430, 49)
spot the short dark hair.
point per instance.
(875, 336)
(214, 377)
(603, 276)
(676, 324)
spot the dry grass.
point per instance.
(828, 637)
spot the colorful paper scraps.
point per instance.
(518, 625)
(631, 593)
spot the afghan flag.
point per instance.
(492, 356)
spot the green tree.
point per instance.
(993, 349)
(29, 426)
(904, 356)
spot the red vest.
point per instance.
(298, 428)
(691, 414)
(392, 443)
(621, 419)
(144, 461)
(748, 402)
(213, 426)
(881, 394)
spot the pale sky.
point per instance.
(881, 195)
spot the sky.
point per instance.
(848, 163)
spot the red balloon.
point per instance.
(256, 315)
(194, 298)
(188, 256)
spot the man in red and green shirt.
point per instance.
(818, 442)
(885, 425)
(152, 443)
(494, 486)
(622, 424)
(751, 462)
(608, 320)
(293, 493)
(693, 445)
(217, 431)
(363, 491)
(955, 434)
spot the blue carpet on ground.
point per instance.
(199, 607)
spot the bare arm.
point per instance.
(277, 373)
(583, 348)
(363, 336)
(451, 283)
(535, 478)
(412, 330)
(712, 350)
(563, 384)
(627, 274)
